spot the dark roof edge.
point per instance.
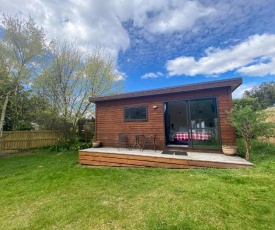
(233, 83)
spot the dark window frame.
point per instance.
(133, 119)
(217, 110)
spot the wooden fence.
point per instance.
(28, 139)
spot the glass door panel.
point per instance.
(204, 127)
(176, 120)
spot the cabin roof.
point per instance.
(233, 83)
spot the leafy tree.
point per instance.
(247, 101)
(5, 84)
(251, 124)
(69, 77)
(30, 110)
(22, 46)
(265, 93)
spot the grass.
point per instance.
(42, 189)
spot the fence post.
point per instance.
(28, 140)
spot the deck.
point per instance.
(149, 158)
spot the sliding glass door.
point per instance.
(176, 119)
(192, 123)
(204, 123)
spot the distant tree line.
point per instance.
(49, 82)
(259, 97)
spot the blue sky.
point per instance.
(165, 43)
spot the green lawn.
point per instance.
(42, 189)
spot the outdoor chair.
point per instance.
(122, 138)
(151, 139)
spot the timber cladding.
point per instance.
(110, 116)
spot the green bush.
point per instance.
(65, 145)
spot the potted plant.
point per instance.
(229, 150)
(95, 143)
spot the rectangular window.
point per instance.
(135, 113)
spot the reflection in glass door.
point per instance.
(204, 123)
(192, 123)
(176, 120)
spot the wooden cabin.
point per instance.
(192, 116)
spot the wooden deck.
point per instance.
(149, 158)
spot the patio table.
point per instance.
(137, 137)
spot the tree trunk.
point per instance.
(247, 150)
(3, 113)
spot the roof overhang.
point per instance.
(233, 83)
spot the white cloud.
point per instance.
(152, 75)
(260, 69)
(247, 58)
(120, 76)
(92, 23)
(99, 23)
(178, 16)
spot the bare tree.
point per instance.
(69, 77)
